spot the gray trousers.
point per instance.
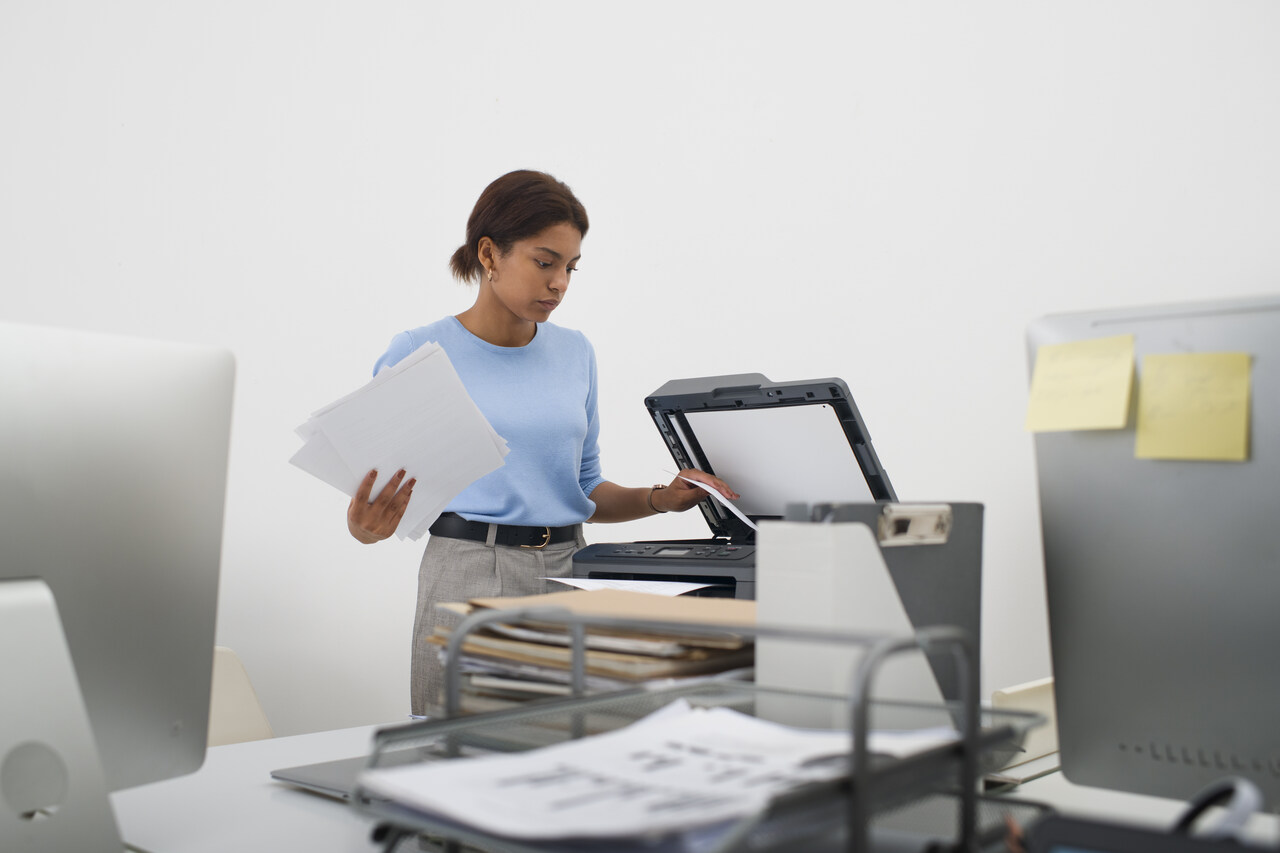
(459, 570)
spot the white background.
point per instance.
(887, 192)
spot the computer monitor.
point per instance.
(1163, 575)
(113, 460)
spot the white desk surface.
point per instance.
(233, 804)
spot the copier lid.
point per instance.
(774, 443)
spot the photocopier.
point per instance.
(775, 443)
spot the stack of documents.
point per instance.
(415, 415)
(681, 769)
(512, 662)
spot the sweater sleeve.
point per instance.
(589, 474)
(401, 345)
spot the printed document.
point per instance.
(415, 415)
(679, 768)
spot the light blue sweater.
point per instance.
(542, 399)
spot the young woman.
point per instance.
(536, 384)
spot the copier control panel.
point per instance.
(668, 551)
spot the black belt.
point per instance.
(454, 526)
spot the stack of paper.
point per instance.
(415, 415)
(678, 769)
(512, 661)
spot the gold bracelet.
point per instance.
(649, 498)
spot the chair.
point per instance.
(235, 715)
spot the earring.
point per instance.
(490, 275)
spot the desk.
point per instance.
(1146, 811)
(233, 804)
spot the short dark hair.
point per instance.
(518, 205)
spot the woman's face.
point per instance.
(532, 278)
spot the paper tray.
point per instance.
(816, 817)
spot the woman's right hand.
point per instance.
(373, 521)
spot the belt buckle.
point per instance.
(546, 537)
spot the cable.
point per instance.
(1239, 797)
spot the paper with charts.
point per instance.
(414, 415)
(680, 768)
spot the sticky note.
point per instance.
(1194, 406)
(1081, 385)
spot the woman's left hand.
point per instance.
(681, 495)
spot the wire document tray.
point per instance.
(848, 812)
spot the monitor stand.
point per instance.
(53, 792)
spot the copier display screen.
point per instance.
(674, 552)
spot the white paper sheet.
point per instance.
(722, 499)
(670, 588)
(679, 768)
(415, 415)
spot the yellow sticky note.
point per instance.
(1194, 406)
(1081, 385)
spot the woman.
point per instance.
(536, 384)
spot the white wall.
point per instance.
(885, 192)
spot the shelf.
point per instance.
(843, 814)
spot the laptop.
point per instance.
(337, 778)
